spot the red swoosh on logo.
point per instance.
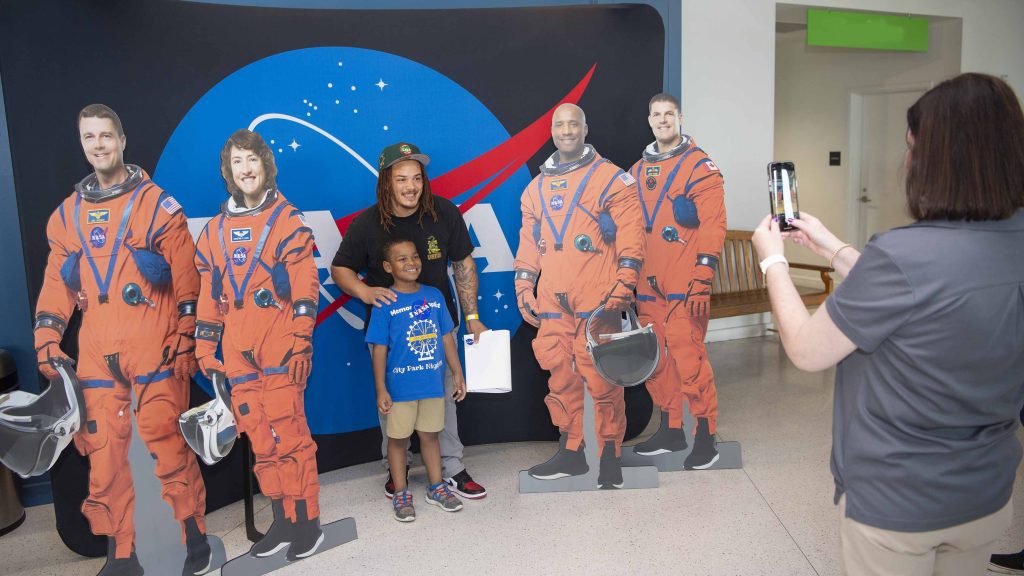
(501, 162)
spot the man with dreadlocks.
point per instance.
(407, 208)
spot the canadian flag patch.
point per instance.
(711, 166)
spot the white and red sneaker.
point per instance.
(463, 485)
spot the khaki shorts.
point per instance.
(425, 415)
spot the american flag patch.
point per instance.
(627, 179)
(170, 205)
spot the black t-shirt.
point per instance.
(437, 242)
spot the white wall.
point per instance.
(812, 111)
(728, 77)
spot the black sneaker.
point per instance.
(1007, 563)
(307, 535)
(704, 454)
(663, 441)
(610, 474)
(120, 566)
(564, 463)
(198, 555)
(278, 537)
(463, 485)
(389, 486)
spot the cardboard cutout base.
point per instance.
(635, 477)
(335, 534)
(157, 534)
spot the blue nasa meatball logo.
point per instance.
(98, 237)
(239, 256)
(326, 114)
(557, 201)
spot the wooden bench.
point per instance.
(739, 285)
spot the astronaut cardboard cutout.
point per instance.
(258, 299)
(681, 195)
(581, 246)
(120, 251)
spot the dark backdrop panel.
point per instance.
(153, 60)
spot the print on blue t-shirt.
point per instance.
(412, 328)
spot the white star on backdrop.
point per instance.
(381, 84)
(294, 145)
(498, 294)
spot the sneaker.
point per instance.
(402, 504)
(564, 463)
(306, 535)
(704, 454)
(440, 495)
(389, 486)
(663, 441)
(463, 485)
(278, 537)
(1007, 563)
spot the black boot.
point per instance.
(610, 474)
(120, 566)
(663, 441)
(278, 536)
(564, 463)
(704, 453)
(307, 534)
(198, 554)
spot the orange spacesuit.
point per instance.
(259, 291)
(582, 235)
(682, 199)
(124, 257)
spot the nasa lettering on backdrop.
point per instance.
(324, 111)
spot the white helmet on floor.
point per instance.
(624, 353)
(35, 428)
(210, 429)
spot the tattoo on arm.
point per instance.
(466, 284)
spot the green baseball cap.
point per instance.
(401, 151)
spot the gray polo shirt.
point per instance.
(927, 406)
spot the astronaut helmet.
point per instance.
(210, 429)
(35, 428)
(624, 352)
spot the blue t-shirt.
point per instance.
(412, 328)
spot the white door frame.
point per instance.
(854, 185)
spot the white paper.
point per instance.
(489, 362)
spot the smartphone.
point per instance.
(782, 193)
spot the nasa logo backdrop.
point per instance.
(328, 89)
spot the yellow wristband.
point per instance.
(472, 317)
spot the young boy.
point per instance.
(412, 343)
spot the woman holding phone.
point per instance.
(927, 335)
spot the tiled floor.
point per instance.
(775, 516)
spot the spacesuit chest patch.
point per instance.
(241, 235)
(556, 202)
(559, 184)
(98, 237)
(240, 256)
(652, 171)
(98, 216)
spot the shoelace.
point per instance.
(442, 492)
(403, 499)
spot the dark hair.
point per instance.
(247, 140)
(101, 111)
(663, 97)
(390, 242)
(967, 160)
(385, 197)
